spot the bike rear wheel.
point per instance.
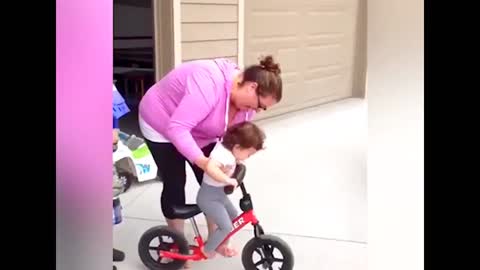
(162, 238)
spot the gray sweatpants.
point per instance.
(216, 206)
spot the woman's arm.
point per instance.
(214, 170)
(202, 162)
(198, 102)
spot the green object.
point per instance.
(141, 152)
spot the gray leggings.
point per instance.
(216, 206)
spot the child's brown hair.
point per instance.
(245, 134)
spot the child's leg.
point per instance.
(231, 210)
(216, 211)
(225, 249)
(211, 201)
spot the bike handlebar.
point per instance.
(238, 174)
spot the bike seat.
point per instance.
(186, 211)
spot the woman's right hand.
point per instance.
(214, 170)
(202, 163)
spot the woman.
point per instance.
(183, 115)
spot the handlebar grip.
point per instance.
(238, 174)
(228, 189)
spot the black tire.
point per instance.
(118, 255)
(126, 178)
(145, 248)
(267, 244)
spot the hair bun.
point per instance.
(268, 64)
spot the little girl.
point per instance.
(240, 142)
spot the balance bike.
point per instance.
(161, 248)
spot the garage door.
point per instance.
(315, 43)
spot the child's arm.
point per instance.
(214, 169)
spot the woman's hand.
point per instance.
(214, 170)
(202, 163)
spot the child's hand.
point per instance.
(115, 136)
(232, 182)
(226, 169)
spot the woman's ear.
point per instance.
(253, 86)
(236, 147)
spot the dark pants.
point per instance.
(171, 169)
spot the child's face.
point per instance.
(242, 153)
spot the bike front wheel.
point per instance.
(267, 252)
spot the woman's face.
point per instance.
(246, 98)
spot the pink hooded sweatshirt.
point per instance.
(189, 106)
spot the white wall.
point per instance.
(395, 150)
(132, 21)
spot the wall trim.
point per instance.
(241, 33)
(177, 34)
(157, 62)
(163, 37)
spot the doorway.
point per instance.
(133, 55)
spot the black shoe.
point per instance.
(114, 267)
(118, 255)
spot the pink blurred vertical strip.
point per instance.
(84, 41)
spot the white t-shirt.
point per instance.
(150, 133)
(226, 158)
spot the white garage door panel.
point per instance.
(290, 61)
(324, 39)
(210, 1)
(328, 84)
(327, 23)
(323, 55)
(314, 43)
(290, 98)
(266, 25)
(325, 71)
(295, 5)
(272, 5)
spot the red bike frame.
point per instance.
(238, 223)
